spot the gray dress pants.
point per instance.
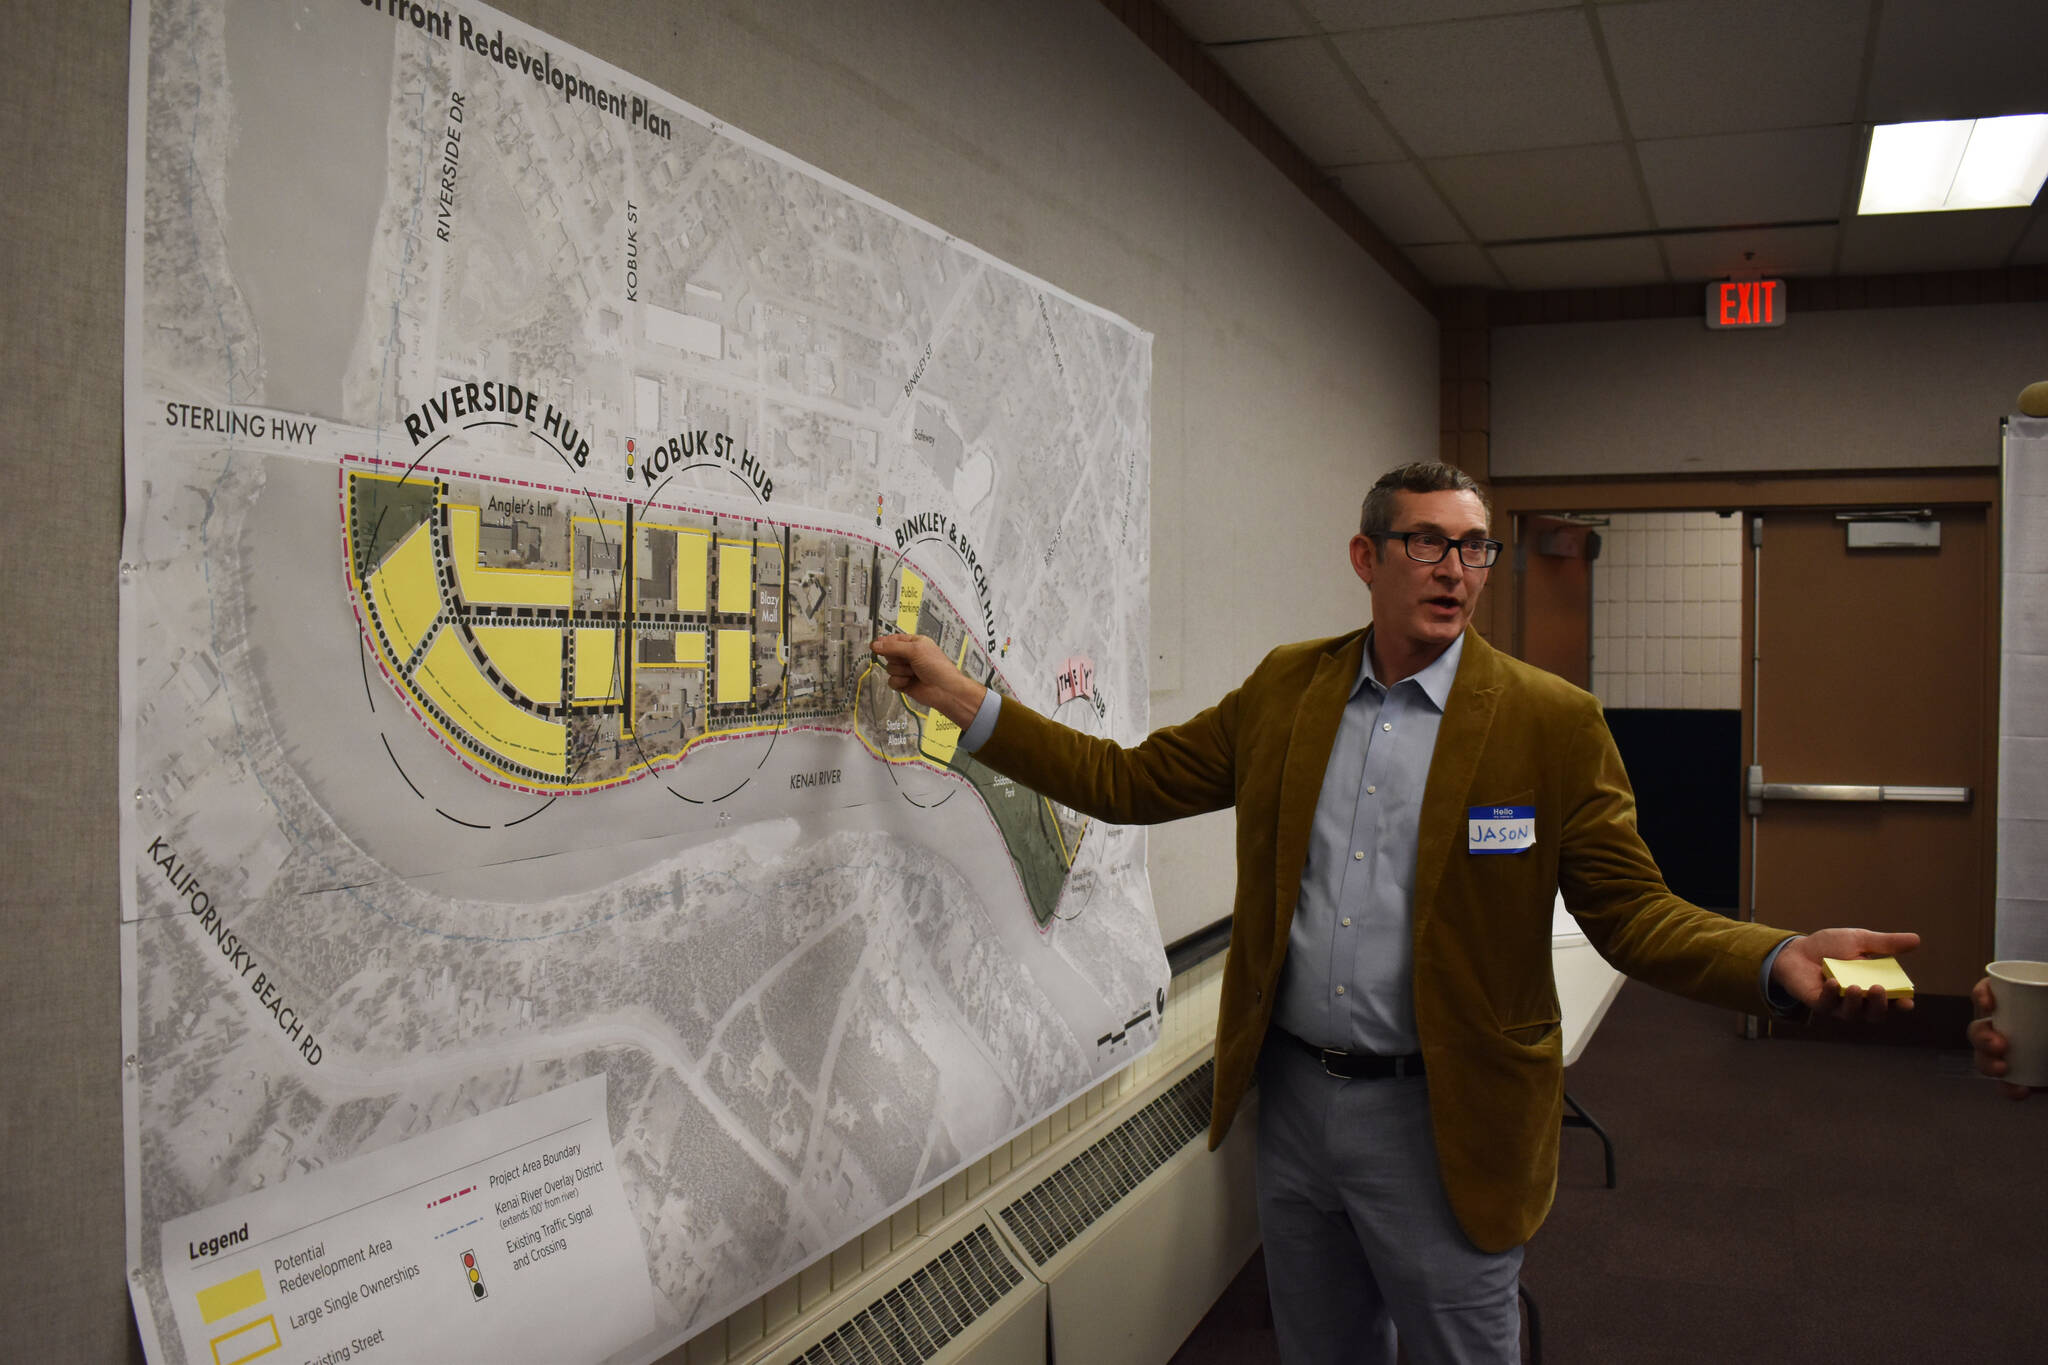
(1360, 1241)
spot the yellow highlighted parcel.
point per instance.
(735, 575)
(909, 602)
(451, 681)
(689, 651)
(941, 737)
(596, 664)
(735, 666)
(693, 569)
(404, 592)
(529, 657)
(508, 587)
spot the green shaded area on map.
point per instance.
(385, 511)
(1033, 835)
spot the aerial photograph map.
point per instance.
(543, 929)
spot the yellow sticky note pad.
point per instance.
(1870, 973)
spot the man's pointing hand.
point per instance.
(921, 671)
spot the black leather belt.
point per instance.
(1358, 1066)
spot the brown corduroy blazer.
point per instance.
(1485, 1001)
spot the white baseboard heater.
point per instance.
(970, 1302)
(1111, 1253)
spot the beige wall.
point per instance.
(1896, 388)
(1288, 372)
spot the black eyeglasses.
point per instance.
(1427, 547)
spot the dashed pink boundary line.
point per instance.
(646, 770)
(436, 1203)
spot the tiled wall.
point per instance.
(1189, 1028)
(2022, 906)
(1667, 611)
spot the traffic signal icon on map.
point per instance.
(476, 1276)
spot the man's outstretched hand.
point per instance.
(1798, 971)
(921, 671)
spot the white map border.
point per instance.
(139, 399)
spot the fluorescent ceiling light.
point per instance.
(2004, 165)
(1985, 163)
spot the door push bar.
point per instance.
(1759, 791)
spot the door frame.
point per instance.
(1514, 498)
(1582, 658)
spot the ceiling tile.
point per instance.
(2033, 247)
(1948, 59)
(1304, 90)
(1767, 251)
(1892, 243)
(1234, 21)
(1560, 192)
(1581, 265)
(1687, 67)
(1338, 16)
(1455, 263)
(1777, 177)
(1402, 202)
(1487, 85)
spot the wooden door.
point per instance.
(1554, 559)
(1870, 673)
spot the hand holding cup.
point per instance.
(2010, 1035)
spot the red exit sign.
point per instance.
(1745, 303)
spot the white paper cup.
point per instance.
(2022, 1016)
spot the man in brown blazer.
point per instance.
(1408, 803)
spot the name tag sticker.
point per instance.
(1500, 829)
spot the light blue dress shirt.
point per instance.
(1348, 982)
(976, 735)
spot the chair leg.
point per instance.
(1579, 1118)
(1535, 1323)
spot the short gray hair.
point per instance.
(1376, 517)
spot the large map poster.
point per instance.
(538, 916)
